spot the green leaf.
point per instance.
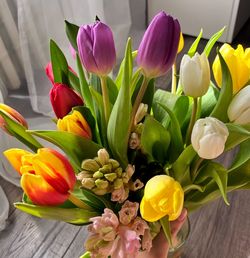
(86, 255)
(84, 87)
(74, 215)
(137, 76)
(226, 93)
(20, 132)
(118, 124)
(195, 44)
(71, 31)
(166, 228)
(75, 147)
(193, 187)
(218, 173)
(74, 81)
(59, 64)
(155, 140)
(176, 146)
(212, 41)
(112, 90)
(237, 135)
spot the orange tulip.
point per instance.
(13, 114)
(46, 177)
(75, 123)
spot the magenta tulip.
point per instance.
(96, 48)
(63, 99)
(158, 48)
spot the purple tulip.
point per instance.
(158, 48)
(96, 48)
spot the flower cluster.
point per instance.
(132, 147)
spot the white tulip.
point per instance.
(208, 137)
(195, 75)
(239, 109)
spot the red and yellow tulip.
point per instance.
(13, 114)
(75, 123)
(46, 177)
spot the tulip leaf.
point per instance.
(226, 93)
(75, 147)
(119, 78)
(166, 229)
(195, 44)
(193, 187)
(112, 90)
(71, 31)
(86, 255)
(155, 140)
(237, 135)
(59, 64)
(72, 215)
(212, 41)
(118, 124)
(218, 173)
(137, 76)
(176, 144)
(20, 132)
(181, 167)
(74, 81)
(84, 87)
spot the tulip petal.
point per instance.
(14, 156)
(40, 192)
(55, 169)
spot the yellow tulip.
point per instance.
(75, 123)
(181, 43)
(238, 62)
(162, 196)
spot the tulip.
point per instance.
(49, 72)
(238, 62)
(158, 48)
(208, 137)
(75, 123)
(63, 99)
(162, 196)
(195, 75)
(96, 48)
(239, 108)
(13, 114)
(46, 177)
(181, 43)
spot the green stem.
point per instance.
(105, 97)
(138, 101)
(192, 121)
(79, 203)
(196, 167)
(174, 78)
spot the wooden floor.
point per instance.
(217, 231)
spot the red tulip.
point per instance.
(63, 99)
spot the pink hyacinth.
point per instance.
(120, 195)
(147, 241)
(139, 226)
(128, 212)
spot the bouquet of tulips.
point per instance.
(134, 156)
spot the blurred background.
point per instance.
(26, 26)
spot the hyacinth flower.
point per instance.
(157, 52)
(75, 123)
(96, 49)
(63, 99)
(238, 62)
(13, 114)
(47, 177)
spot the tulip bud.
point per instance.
(238, 62)
(13, 114)
(158, 48)
(239, 109)
(195, 75)
(46, 177)
(208, 137)
(162, 196)
(63, 99)
(141, 112)
(96, 48)
(75, 123)
(181, 43)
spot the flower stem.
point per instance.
(79, 203)
(192, 121)
(105, 98)
(138, 101)
(196, 167)
(174, 78)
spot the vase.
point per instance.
(179, 241)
